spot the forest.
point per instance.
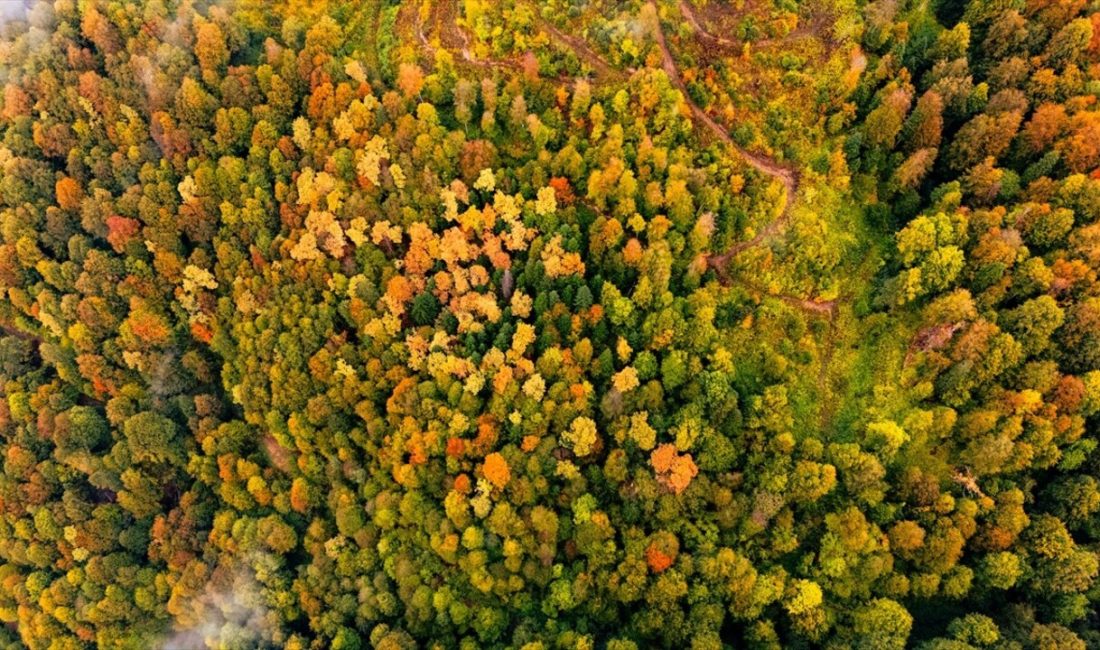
(550, 324)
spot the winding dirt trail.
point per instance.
(450, 30)
(456, 40)
(8, 330)
(583, 51)
(719, 262)
(689, 16)
(702, 33)
(826, 308)
(787, 176)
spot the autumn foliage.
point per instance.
(496, 470)
(666, 324)
(674, 471)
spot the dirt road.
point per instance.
(787, 176)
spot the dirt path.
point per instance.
(454, 38)
(828, 406)
(823, 307)
(721, 261)
(428, 48)
(688, 12)
(689, 16)
(20, 334)
(826, 308)
(581, 49)
(463, 37)
(787, 176)
(766, 165)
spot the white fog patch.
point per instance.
(13, 10)
(231, 611)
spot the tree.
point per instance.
(210, 50)
(984, 136)
(885, 122)
(1034, 322)
(81, 428)
(496, 470)
(410, 79)
(69, 193)
(911, 172)
(674, 471)
(1078, 338)
(882, 623)
(152, 437)
(1047, 123)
